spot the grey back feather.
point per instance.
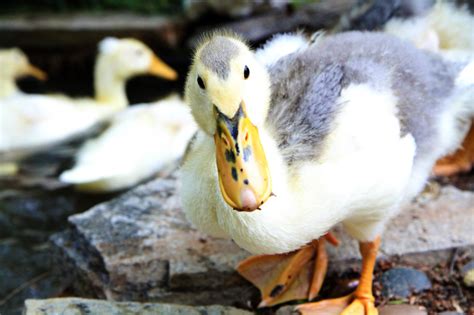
(306, 86)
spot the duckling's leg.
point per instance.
(286, 277)
(361, 302)
(461, 161)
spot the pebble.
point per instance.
(401, 282)
(468, 274)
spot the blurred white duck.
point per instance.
(328, 134)
(144, 138)
(140, 141)
(33, 122)
(446, 30)
(14, 64)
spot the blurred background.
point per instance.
(61, 38)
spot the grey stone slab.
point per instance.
(402, 310)
(75, 31)
(139, 246)
(77, 306)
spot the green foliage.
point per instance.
(70, 6)
(300, 3)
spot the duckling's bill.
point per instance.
(244, 177)
(160, 68)
(36, 72)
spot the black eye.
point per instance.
(201, 83)
(138, 52)
(246, 72)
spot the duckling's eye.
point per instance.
(201, 83)
(138, 52)
(246, 72)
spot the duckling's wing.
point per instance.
(307, 85)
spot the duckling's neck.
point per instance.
(109, 88)
(8, 87)
(277, 227)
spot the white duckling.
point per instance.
(34, 122)
(14, 64)
(139, 142)
(446, 30)
(345, 131)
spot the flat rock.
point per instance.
(140, 247)
(43, 30)
(401, 282)
(402, 310)
(76, 306)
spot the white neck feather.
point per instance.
(266, 231)
(8, 87)
(109, 88)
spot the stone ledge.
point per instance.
(77, 306)
(80, 22)
(79, 30)
(140, 247)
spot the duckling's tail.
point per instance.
(446, 29)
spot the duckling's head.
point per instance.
(129, 57)
(15, 64)
(229, 93)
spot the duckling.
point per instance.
(344, 131)
(15, 64)
(444, 30)
(33, 122)
(140, 141)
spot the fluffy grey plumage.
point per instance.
(217, 55)
(306, 85)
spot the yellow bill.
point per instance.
(161, 69)
(36, 72)
(244, 177)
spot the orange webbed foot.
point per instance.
(286, 277)
(361, 302)
(347, 305)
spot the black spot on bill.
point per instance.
(229, 156)
(234, 174)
